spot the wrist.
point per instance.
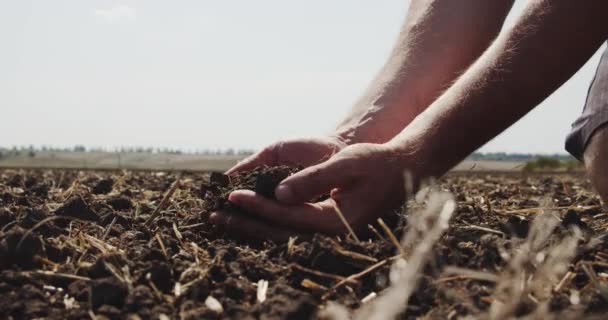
(380, 122)
(409, 156)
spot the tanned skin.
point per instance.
(405, 127)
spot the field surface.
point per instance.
(173, 162)
(138, 245)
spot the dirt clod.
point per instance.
(262, 180)
(103, 186)
(572, 218)
(108, 291)
(268, 180)
(517, 226)
(20, 248)
(77, 208)
(121, 203)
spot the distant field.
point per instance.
(132, 161)
(153, 161)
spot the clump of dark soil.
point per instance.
(262, 180)
(120, 203)
(108, 291)
(103, 186)
(18, 247)
(77, 208)
(74, 244)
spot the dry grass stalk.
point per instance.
(358, 275)
(391, 236)
(565, 280)
(164, 202)
(434, 221)
(117, 274)
(354, 277)
(178, 234)
(354, 255)
(68, 193)
(372, 229)
(345, 222)
(162, 245)
(102, 246)
(488, 203)
(309, 284)
(155, 289)
(291, 245)
(54, 266)
(322, 274)
(109, 228)
(536, 266)
(56, 275)
(546, 208)
(480, 228)
(461, 273)
(7, 226)
(599, 288)
(193, 226)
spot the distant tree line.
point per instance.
(504, 156)
(32, 150)
(548, 163)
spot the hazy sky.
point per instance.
(208, 74)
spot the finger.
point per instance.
(307, 217)
(315, 181)
(263, 157)
(244, 227)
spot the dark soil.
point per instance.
(263, 181)
(76, 244)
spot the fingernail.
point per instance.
(217, 218)
(283, 193)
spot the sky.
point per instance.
(211, 74)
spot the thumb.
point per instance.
(315, 181)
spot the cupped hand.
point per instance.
(293, 152)
(364, 180)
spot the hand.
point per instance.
(364, 180)
(293, 152)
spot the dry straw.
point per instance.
(345, 222)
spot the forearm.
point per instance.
(439, 39)
(547, 45)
